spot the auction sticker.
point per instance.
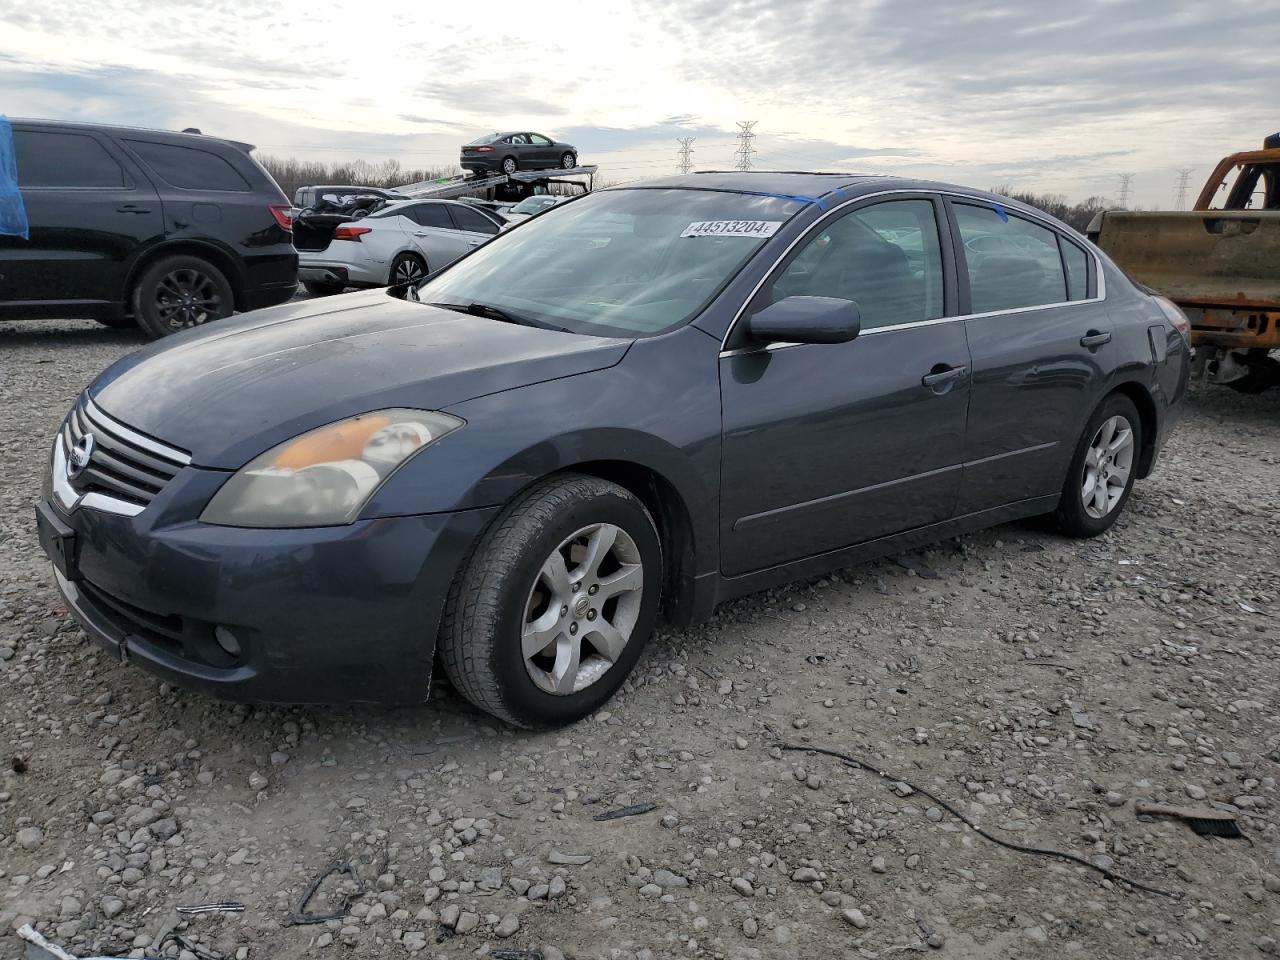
(732, 228)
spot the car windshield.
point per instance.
(533, 204)
(624, 262)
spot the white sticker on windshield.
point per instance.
(732, 228)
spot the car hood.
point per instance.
(232, 390)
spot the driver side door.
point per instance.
(830, 445)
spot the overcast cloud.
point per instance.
(1032, 94)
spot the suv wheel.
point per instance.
(178, 292)
(552, 610)
(1102, 471)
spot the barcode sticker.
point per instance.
(732, 228)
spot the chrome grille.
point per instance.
(124, 464)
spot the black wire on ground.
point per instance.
(1007, 844)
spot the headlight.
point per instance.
(325, 477)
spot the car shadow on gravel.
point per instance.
(67, 334)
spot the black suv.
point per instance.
(166, 230)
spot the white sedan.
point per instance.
(397, 243)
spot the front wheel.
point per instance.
(1103, 470)
(179, 292)
(552, 610)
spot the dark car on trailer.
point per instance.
(516, 150)
(658, 396)
(128, 225)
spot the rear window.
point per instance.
(487, 138)
(189, 168)
(64, 160)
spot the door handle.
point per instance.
(942, 375)
(474, 243)
(1094, 339)
(132, 208)
(422, 234)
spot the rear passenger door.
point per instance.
(91, 210)
(1040, 339)
(434, 234)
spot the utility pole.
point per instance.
(745, 150)
(1126, 185)
(686, 153)
(1184, 178)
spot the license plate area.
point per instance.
(58, 541)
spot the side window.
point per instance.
(1077, 262)
(884, 257)
(64, 160)
(189, 168)
(1013, 263)
(539, 140)
(431, 215)
(468, 219)
(520, 139)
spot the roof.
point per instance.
(126, 131)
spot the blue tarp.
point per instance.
(13, 215)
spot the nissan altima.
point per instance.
(639, 404)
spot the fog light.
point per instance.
(227, 641)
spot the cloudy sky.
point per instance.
(1047, 96)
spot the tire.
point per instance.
(509, 165)
(568, 160)
(1263, 372)
(321, 289)
(406, 268)
(504, 585)
(1077, 518)
(158, 302)
(118, 323)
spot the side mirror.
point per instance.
(807, 320)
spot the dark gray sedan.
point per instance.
(643, 402)
(518, 150)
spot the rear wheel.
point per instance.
(1103, 470)
(179, 292)
(406, 268)
(509, 165)
(568, 160)
(551, 612)
(321, 289)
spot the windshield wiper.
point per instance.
(477, 309)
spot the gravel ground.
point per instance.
(1038, 685)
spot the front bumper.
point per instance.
(322, 615)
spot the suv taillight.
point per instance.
(281, 211)
(350, 233)
(1175, 315)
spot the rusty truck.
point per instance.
(1219, 262)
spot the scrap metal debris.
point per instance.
(43, 949)
(229, 907)
(299, 917)
(632, 811)
(1007, 844)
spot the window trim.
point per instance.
(950, 261)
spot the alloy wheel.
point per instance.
(408, 270)
(568, 161)
(1107, 467)
(509, 166)
(582, 609)
(187, 298)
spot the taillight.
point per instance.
(283, 217)
(484, 149)
(351, 233)
(1175, 315)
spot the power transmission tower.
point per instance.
(1184, 178)
(686, 153)
(1126, 185)
(745, 150)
